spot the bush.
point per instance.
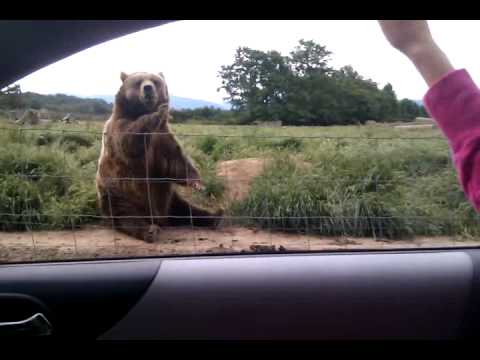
(71, 142)
(207, 144)
(214, 187)
(292, 144)
(217, 148)
(361, 193)
(41, 187)
(45, 139)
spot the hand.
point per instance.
(408, 36)
(413, 38)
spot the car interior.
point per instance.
(364, 294)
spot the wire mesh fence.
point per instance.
(309, 185)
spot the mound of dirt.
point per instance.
(239, 174)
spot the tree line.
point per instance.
(12, 98)
(303, 89)
(298, 89)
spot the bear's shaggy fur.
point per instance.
(141, 160)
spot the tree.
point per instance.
(302, 89)
(389, 107)
(423, 112)
(36, 105)
(309, 58)
(409, 109)
(359, 98)
(256, 82)
(312, 100)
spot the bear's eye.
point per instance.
(156, 83)
(138, 83)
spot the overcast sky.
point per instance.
(190, 54)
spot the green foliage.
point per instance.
(410, 110)
(45, 139)
(13, 98)
(207, 144)
(332, 185)
(72, 141)
(301, 89)
(309, 58)
(214, 187)
(361, 190)
(292, 144)
(218, 148)
(41, 185)
(256, 83)
(207, 115)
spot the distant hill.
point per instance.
(65, 103)
(177, 102)
(97, 105)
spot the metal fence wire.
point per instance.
(340, 205)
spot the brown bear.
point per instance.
(141, 160)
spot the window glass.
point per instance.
(304, 135)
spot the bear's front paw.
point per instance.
(218, 218)
(152, 234)
(197, 185)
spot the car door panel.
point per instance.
(361, 296)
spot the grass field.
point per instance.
(365, 181)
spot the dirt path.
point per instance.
(97, 242)
(426, 126)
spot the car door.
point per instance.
(429, 294)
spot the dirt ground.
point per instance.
(97, 242)
(239, 175)
(101, 242)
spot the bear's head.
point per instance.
(141, 93)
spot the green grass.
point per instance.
(45, 181)
(352, 185)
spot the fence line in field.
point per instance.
(33, 217)
(369, 181)
(253, 136)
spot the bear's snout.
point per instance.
(148, 90)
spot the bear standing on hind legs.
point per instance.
(140, 162)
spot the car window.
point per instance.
(269, 136)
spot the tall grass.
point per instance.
(43, 183)
(362, 189)
(340, 182)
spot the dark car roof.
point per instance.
(29, 45)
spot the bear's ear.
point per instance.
(123, 76)
(161, 75)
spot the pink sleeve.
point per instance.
(454, 102)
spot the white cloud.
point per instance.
(190, 54)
